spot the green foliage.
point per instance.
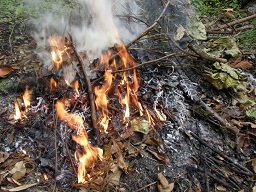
(214, 7)
(247, 40)
(251, 113)
(22, 9)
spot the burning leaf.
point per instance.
(5, 71)
(3, 156)
(164, 186)
(180, 33)
(19, 170)
(23, 187)
(141, 126)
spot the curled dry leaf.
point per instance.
(19, 170)
(5, 71)
(23, 187)
(164, 185)
(3, 156)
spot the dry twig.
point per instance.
(146, 63)
(205, 55)
(151, 27)
(237, 22)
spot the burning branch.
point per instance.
(146, 63)
(90, 91)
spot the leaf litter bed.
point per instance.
(188, 151)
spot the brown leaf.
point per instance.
(162, 180)
(243, 65)
(5, 71)
(23, 187)
(114, 177)
(164, 186)
(153, 141)
(19, 170)
(3, 156)
(159, 155)
(121, 163)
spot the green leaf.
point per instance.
(251, 113)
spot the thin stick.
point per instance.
(90, 92)
(249, 173)
(151, 27)
(222, 121)
(237, 22)
(146, 63)
(146, 186)
(205, 55)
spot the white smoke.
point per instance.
(95, 25)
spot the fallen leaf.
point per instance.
(114, 178)
(3, 156)
(23, 187)
(180, 33)
(243, 65)
(5, 71)
(159, 155)
(120, 161)
(141, 126)
(221, 188)
(19, 170)
(164, 186)
(228, 10)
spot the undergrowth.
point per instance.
(213, 9)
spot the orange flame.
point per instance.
(128, 85)
(93, 154)
(53, 83)
(45, 177)
(58, 50)
(76, 86)
(158, 114)
(26, 99)
(17, 114)
(101, 99)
